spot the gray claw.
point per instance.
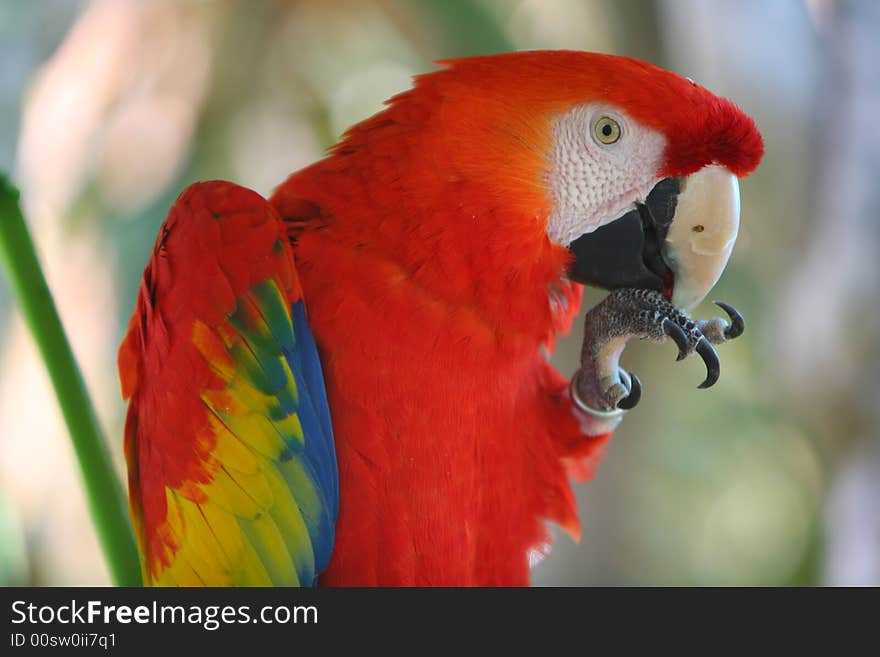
(635, 394)
(710, 358)
(677, 333)
(737, 322)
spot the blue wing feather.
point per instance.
(314, 414)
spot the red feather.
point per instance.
(199, 268)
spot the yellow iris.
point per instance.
(607, 130)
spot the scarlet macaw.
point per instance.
(432, 254)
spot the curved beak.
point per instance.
(678, 241)
(702, 235)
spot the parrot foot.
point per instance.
(601, 386)
(718, 330)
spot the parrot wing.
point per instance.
(232, 468)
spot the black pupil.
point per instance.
(606, 130)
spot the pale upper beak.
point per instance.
(701, 237)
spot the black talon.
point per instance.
(635, 394)
(710, 358)
(737, 322)
(677, 333)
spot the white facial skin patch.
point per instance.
(593, 183)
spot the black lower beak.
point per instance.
(627, 251)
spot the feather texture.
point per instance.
(232, 469)
(432, 287)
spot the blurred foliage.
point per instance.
(111, 121)
(13, 556)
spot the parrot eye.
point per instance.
(607, 130)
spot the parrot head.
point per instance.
(632, 168)
(646, 194)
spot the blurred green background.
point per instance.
(108, 109)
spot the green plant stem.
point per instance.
(103, 490)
